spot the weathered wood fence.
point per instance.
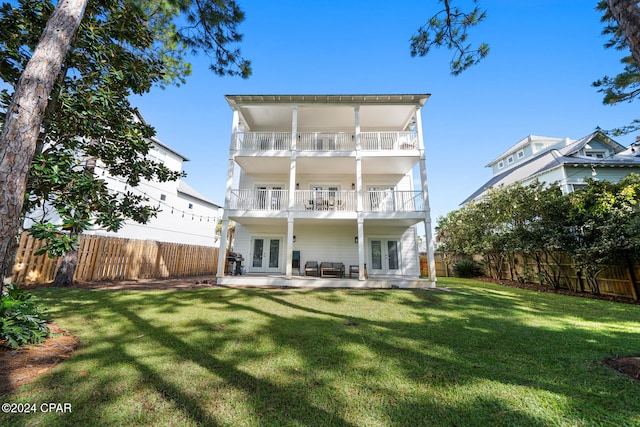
(612, 280)
(112, 258)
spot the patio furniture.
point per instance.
(331, 269)
(311, 268)
(354, 269)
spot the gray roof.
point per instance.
(185, 188)
(555, 158)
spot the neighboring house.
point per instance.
(565, 161)
(186, 216)
(327, 178)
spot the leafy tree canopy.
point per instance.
(121, 48)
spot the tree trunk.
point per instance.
(68, 264)
(627, 13)
(24, 117)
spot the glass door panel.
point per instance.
(258, 245)
(274, 253)
(392, 252)
(376, 255)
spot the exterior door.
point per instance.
(381, 199)
(265, 255)
(385, 256)
(269, 197)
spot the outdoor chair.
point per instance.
(311, 268)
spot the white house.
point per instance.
(186, 216)
(328, 179)
(565, 161)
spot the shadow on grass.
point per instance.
(304, 357)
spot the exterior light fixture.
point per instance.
(353, 186)
(356, 240)
(294, 237)
(593, 171)
(297, 185)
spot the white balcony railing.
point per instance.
(389, 141)
(326, 200)
(393, 201)
(263, 141)
(262, 200)
(326, 141)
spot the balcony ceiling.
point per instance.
(322, 113)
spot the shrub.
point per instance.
(467, 268)
(22, 322)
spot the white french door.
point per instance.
(384, 256)
(381, 199)
(269, 197)
(266, 254)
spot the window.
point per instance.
(500, 164)
(510, 159)
(163, 197)
(595, 154)
(520, 154)
(190, 205)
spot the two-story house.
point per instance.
(564, 161)
(316, 179)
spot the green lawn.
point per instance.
(478, 355)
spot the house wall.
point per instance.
(182, 219)
(176, 223)
(325, 242)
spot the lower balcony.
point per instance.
(326, 200)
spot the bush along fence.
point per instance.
(560, 272)
(112, 258)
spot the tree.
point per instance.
(24, 116)
(449, 28)
(627, 15)
(625, 87)
(120, 47)
(605, 218)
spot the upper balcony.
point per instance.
(344, 142)
(271, 200)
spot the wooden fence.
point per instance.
(112, 258)
(612, 280)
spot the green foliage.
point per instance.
(22, 322)
(121, 48)
(467, 268)
(449, 28)
(596, 225)
(625, 87)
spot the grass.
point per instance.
(478, 355)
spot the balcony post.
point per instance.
(361, 261)
(294, 154)
(425, 200)
(289, 270)
(222, 256)
(358, 161)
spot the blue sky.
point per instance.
(536, 80)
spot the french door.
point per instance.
(269, 197)
(385, 256)
(266, 254)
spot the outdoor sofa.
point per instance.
(331, 269)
